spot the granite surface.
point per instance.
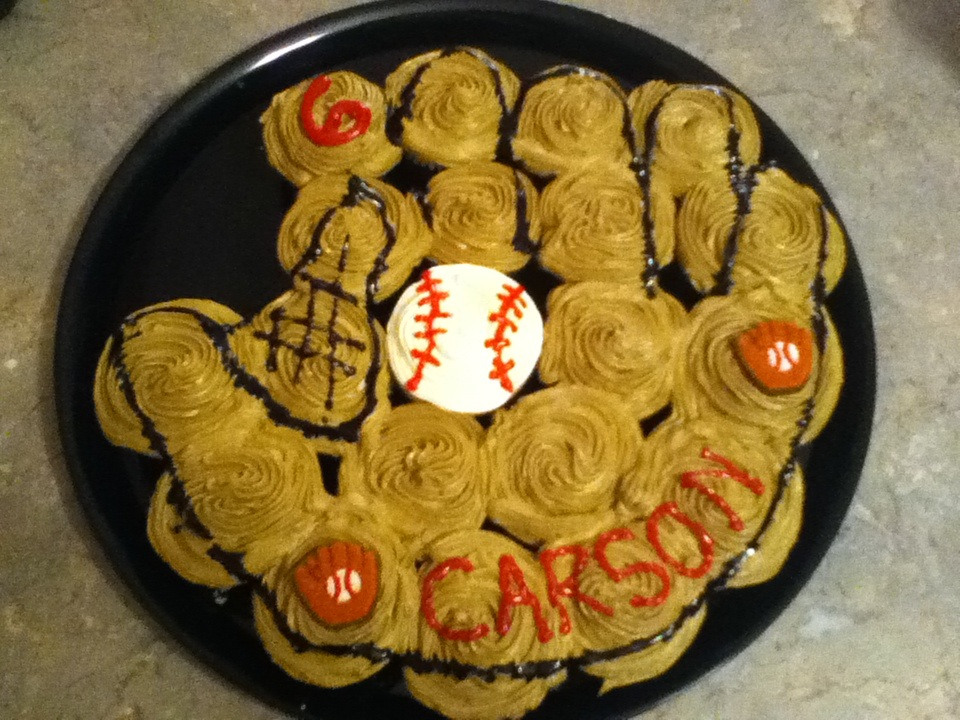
(870, 92)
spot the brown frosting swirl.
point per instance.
(258, 493)
(176, 373)
(180, 547)
(391, 622)
(696, 130)
(298, 158)
(448, 106)
(592, 224)
(424, 466)
(702, 449)
(778, 240)
(572, 118)
(613, 337)
(354, 233)
(556, 459)
(315, 354)
(710, 381)
(483, 213)
(624, 621)
(471, 599)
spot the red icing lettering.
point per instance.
(730, 471)
(331, 133)
(510, 302)
(430, 612)
(432, 297)
(570, 587)
(515, 591)
(670, 509)
(618, 574)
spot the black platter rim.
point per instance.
(335, 39)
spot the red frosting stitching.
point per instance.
(433, 298)
(510, 301)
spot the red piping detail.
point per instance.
(433, 297)
(692, 479)
(330, 134)
(510, 301)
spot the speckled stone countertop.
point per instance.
(870, 92)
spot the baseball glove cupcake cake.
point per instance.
(483, 436)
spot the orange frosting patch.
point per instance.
(339, 582)
(777, 355)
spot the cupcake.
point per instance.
(775, 234)
(593, 228)
(448, 107)
(483, 213)
(684, 132)
(556, 459)
(570, 118)
(613, 337)
(464, 619)
(363, 236)
(333, 123)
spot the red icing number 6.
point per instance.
(329, 133)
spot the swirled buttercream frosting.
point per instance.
(556, 459)
(182, 548)
(349, 582)
(571, 118)
(316, 360)
(256, 498)
(613, 337)
(481, 608)
(483, 213)
(642, 598)
(363, 236)
(711, 380)
(328, 124)
(772, 232)
(593, 227)
(684, 132)
(447, 107)
(424, 466)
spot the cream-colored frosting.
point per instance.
(442, 338)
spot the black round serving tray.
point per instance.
(193, 211)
